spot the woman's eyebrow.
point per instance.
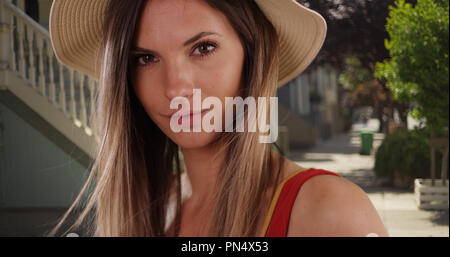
(198, 36)
(188, 42)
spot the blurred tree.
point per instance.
(354, 73)
(356, 29)
(366, 90)
(418, 70)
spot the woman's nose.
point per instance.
(178, 80)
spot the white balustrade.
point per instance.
(24, 34)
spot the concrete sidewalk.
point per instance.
(397, 208)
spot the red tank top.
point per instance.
(277, 219)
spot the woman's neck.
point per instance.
(203, 165)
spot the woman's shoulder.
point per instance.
(333, 206)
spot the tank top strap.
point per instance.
(277, 219)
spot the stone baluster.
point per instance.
(73, 107)
(62, 91)
(5, 53)
(83, 102)
(51, 73)
(32, 70)
(20, 38)
(40, 45)
(12, 53)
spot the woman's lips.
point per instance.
(190, 117)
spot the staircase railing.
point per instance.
(26, 50)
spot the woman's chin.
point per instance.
(191, 140)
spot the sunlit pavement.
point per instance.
(397, 208)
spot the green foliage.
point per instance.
(407, 152)
(366, 90)
(354, 73)
(418, 70)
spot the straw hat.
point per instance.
(75, 30)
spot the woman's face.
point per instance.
(181, 45)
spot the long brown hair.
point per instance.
(130, 191)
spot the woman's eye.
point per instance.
(205, 48)
(146, 59)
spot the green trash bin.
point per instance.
(366, 142)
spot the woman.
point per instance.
(151, 52)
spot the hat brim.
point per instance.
(75, 31)
(302, 33)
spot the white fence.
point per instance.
(26, 50)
